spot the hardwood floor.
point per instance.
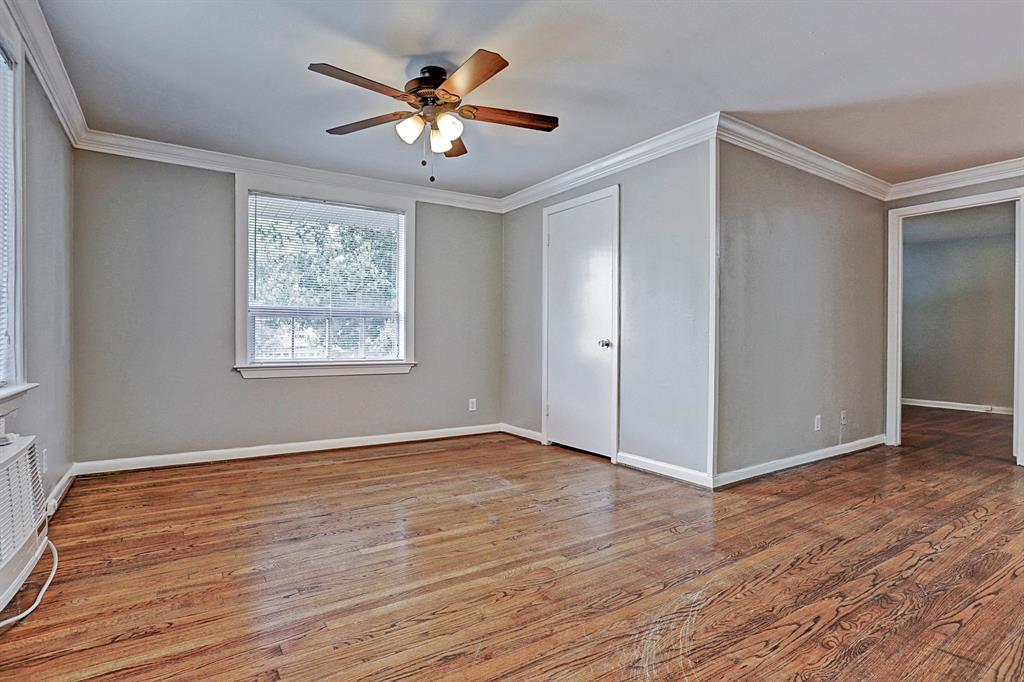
(976, 434)
(493, 558)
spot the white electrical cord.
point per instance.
(42, 591)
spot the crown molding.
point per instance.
(1001, 170)
(124, 145)
(48, 66)
(684, 136)
(776, 147)
(719, 125)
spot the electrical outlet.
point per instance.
(45, 458)
(817, 422)
(472, 404)
(842, 417)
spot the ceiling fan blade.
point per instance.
(370, 122)
(458, 148)
(473, 73)
(508, 117)
(355, 79)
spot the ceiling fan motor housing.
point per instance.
(426, 85)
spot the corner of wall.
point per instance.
(793, 244)
(714, 290)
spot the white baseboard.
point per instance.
(796, 460)
(967, 407)
(521, 432)
(60, 490)
(199, 456)
(665, 469)
(699, 478)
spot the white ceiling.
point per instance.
(900, 90)
(967, 223)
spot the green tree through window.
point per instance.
(324, 281)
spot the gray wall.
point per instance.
(664, 298)
(154, 324)
(802, 311)
(153, 314)
(46, 410)
(958, 312)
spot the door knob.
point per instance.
(604, 343)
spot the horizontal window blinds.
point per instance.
(325, 281)
(8, 365)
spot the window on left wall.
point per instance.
(8, 216)
(13, 383)
(9, 209)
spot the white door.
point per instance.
(582, 320)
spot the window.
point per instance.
(326, 288)
(9, 371)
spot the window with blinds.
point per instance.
(325, 281)
(8, 195)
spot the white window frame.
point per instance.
(13, 44)
(246, 183)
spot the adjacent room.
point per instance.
(511, 340)
(958, 307)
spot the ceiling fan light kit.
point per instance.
(409, 129)
(436, 98)
(439, 144)
(449, 126)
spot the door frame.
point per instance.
(612, 193)
(894, 331)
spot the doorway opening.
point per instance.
(955, 326)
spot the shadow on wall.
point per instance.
(937, 117)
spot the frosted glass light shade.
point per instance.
(409, 129)
(439, 144)
(449, 125)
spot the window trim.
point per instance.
(14, 46)
(250, 182)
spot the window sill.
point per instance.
(332, 369)
(10, 397)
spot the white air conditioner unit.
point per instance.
(22, 521)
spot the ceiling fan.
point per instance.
(436, 99)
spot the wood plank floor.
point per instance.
(977, 434)
(493, 558)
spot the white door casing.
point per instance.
(580, 366)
